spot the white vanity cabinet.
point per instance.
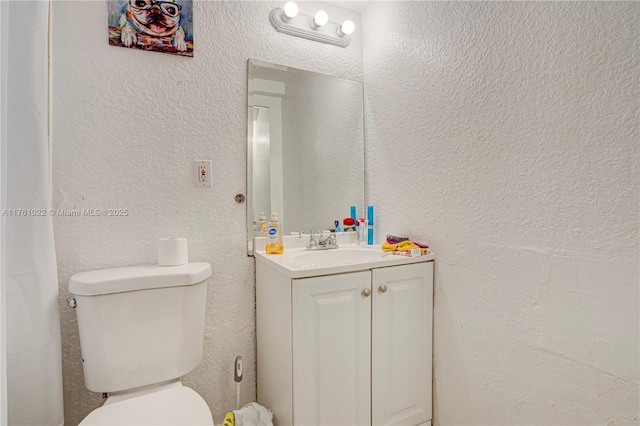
(332, 350)
(353, 348)
(401, 344)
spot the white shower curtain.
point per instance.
(30, 284)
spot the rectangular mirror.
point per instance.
(305, 157)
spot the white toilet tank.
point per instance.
(140, 325)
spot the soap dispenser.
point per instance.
(262, 229)
(274, 236)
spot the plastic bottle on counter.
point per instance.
(370, 220)
(274, 237)
(349, 224)
(262, 229)
(255, 228)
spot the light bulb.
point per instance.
(290, 11)
(346, 28)
(320, 19)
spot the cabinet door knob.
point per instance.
(366, 292)
(383, 288)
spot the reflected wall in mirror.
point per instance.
(305, 157)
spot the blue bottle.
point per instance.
(370, 230)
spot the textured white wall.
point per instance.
(506, 135)
(127, 125)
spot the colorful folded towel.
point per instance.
(402, 247)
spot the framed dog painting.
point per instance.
(160, 25)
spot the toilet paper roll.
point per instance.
(172, 251)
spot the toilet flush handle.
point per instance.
(71, 301)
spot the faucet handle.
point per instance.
(312, 239)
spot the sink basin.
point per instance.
(340, 256)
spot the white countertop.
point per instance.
(295, 262)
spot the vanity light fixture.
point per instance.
(346, 28)
(320, 19)
(290, 11)
(318, 27)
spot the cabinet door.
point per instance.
(401, 344)
(332, 350)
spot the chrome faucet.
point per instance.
(329, 240)
(323, 243)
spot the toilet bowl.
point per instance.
(141, 329)
(165, 404)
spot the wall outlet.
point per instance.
(202, 173)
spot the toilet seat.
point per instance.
(167, 404)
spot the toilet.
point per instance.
(141, 329)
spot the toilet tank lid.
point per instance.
(145, 277)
